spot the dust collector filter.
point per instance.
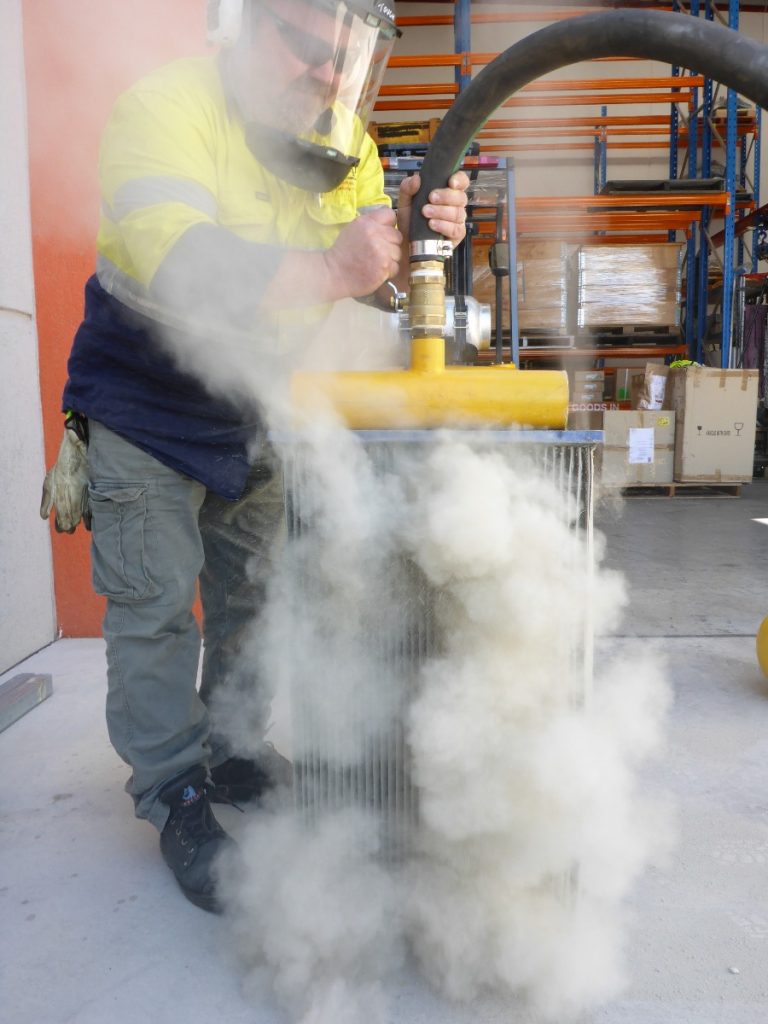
(361, 758)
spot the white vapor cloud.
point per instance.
(533, 824)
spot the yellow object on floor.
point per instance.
(762, 646)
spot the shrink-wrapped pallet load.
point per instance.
(628, 287)
(542, 287)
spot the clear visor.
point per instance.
(330, 60)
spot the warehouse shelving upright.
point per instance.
(703, 131)
(610, 131)
(733, 144)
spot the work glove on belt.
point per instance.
(65, 487)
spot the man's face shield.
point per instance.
(310, 71)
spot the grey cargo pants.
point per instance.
(155, 533)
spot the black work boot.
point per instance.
(192, 837)
(240, 779)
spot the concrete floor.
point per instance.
(93, 928)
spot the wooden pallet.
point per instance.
(682, 490)
(529, 340)
(628, 330)
(608, 337)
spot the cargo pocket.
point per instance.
(119, 520)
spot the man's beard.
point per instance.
(300, 107)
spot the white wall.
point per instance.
(27, 620)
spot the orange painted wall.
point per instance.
(80, 54)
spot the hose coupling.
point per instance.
(426, 303)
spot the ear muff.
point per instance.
(225, 20)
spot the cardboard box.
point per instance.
(580, 420)
(639, 447)
(716, 412)
(594, 406)
(588, 415)
(587, 386)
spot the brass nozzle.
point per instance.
(426, 302)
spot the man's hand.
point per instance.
(369, 251)
(366, 253)
(65, 487)
(446, 210)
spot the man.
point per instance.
(240, 197)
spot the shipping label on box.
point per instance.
(641, 444)
(639, 447)
(716, 413)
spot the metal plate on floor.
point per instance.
(20, 694)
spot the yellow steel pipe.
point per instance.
(431, 394)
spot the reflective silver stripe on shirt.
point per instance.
(143, 192)
(136, 296)
(123, 287)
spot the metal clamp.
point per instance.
(432, 248)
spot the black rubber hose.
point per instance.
(719, 53)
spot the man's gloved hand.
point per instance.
(66, 485)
